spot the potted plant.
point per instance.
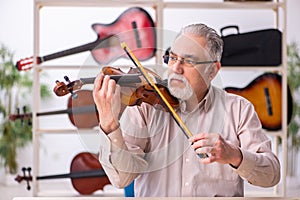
(14, 85)
(294, 125)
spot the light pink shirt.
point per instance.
(159, 157)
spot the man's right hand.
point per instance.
(106, 96)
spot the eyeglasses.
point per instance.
(172, 59)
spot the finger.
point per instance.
(213, 138)
(203, 142)
(204, 150)
(117, 92)
(197, 137)
(208, 160)
(98, 82)
(104, 87)
(111, 90)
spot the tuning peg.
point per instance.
(29, 175)
(74, 95)
(67, 79)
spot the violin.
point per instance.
(86, 173)
(134, 26)
(82, 111)
(141, 90)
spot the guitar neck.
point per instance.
(97, 44)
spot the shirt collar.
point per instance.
(205, 103)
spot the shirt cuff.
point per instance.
(247, 165)
(105, 159)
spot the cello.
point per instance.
(86, 174)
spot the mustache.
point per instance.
(178, 77)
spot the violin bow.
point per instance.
(150, 81)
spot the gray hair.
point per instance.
(214, 41)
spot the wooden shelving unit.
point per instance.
(277, 6)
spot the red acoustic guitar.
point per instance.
(134, 26)
(264, 93)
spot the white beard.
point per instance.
(180, 93)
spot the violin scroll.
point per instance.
(26, 178)
(62, 89)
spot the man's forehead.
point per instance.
(189, 45)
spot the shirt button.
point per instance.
(187, 160)
(186, 184)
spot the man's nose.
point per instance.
(178, 66)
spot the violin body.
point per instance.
(87, 162)
(82, 111)
(84, 119)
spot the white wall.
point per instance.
(62, 28)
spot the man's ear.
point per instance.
(214, 70)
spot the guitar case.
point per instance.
(257, 48)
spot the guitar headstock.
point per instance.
(62, 88)
(25, 177)
(26, 63)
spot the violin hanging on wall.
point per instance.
(135, 26)
(82, 111)
(86, 173)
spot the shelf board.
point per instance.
(67, 67)
(65, 131)
(224, 5)
(170, 4)
(92, 3)
(251, 68)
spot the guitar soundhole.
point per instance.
(268, 101)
